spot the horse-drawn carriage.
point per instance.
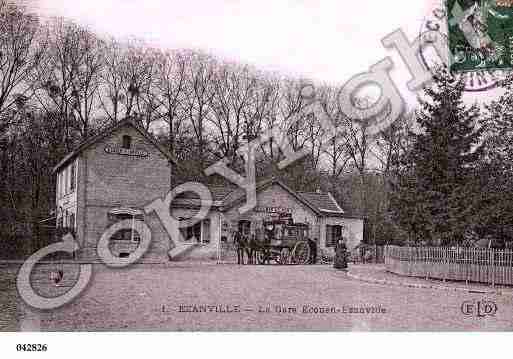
(284, 243)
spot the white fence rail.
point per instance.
(481, 265)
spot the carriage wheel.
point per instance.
(261, 256)
(283, 257)
(301, 253)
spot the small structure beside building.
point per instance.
(326, 220)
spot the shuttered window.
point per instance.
(72, 220)
(333, 234)
(72, 178)
(127, 142)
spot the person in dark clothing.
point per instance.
(239, 243)
(340, 261)
(313, 250)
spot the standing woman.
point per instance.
(237, 239)
(340, 261)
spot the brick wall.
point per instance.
(352, 232)
(276, 196)
(114, 180)
(125, 180)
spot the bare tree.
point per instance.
(336, 149)
(359, 142)
(87, 66)
(168, 94)
(200, 75)
(21, 49)
(260, 110)
(392, 142)
(285, 112)
(111, 95)
(67, 80)
(128, 79)
(234, 89)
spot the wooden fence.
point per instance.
(368, 254)
(462, 264)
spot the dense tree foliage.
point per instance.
(453, 182)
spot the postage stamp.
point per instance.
(480, 34)
(440, 25)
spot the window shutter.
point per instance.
(329, 236)
(72, 178)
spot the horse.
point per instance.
(253, 246)
(246, 246)
(241, 244)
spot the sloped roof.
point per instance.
(239, 195)
(218, 193)
(192, 200)
(226, 197)
(323, 201)
(107, 132)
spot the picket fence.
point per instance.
(481, 265)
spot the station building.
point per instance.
(114, 175)
(109, 178)
(326, 220)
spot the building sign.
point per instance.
(273, 210)
(116, 150)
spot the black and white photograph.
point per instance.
(271, 167)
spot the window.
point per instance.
(333, 234)
(192, 233)
(206, 231)
(198, 233)
(124, 234)
(127, 141)
(65, 182)
(60, 184)
(245, 227)
(58, 190)
(72, 179)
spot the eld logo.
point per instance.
(479, 308)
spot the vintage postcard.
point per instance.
(255, 166)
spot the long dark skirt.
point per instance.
(340, 261)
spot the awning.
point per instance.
(124, 210)
(48, 219)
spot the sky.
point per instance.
(324, 40)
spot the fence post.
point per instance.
(442, 263)
(466, 267)
(446, 261)
(409, 255)
(426, 261)
(493, 267)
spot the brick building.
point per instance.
(114, 175)
(326, 220)
(111, 177)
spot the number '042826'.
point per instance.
(31, 347)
